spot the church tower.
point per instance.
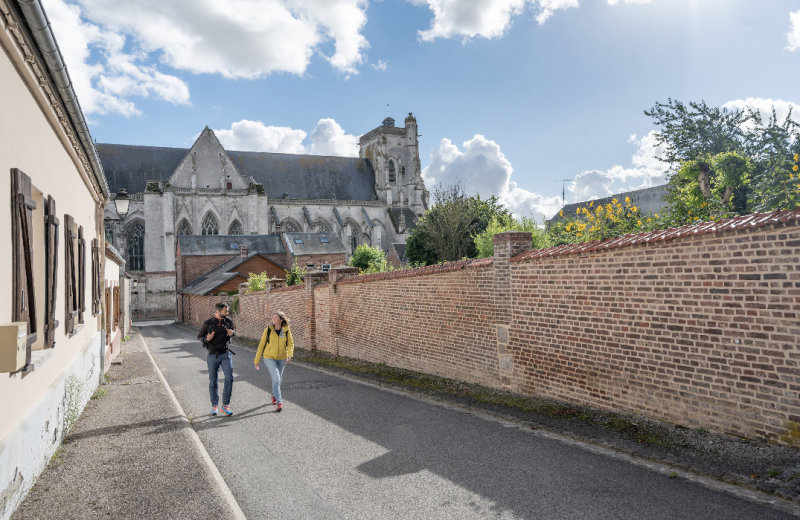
(394, 153)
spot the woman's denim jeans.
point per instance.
(214, 363)
(275, 367)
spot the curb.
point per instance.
(213, 472)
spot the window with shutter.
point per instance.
(22, 249)
(81, 272)
(108, 312)
(116, 307)
(71, 276)
(51, 225)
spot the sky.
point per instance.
(513, 98)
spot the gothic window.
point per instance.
(392, 175)
(402, 170)
(184, 228)
(353, 243)
(210, 225)
(136, 247)
(109, 235)
(235, 228)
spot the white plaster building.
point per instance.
(374, 199)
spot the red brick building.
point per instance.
(314, 250)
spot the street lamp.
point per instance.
(121, 202)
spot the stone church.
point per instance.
(374, 199)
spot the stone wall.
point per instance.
(697, 326)
(154, 295)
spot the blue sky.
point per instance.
(510, 95)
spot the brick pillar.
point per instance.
(334, 327)
(312, 279)
(506, 246)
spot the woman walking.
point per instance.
(277, 348)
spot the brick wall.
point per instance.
(697, 325)
(254, 314)
(698, 330)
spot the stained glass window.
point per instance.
(210, 225)
(136, 247)
(184, 228)
(235, 228)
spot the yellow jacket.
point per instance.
(278, 348)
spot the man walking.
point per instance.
(216, 333)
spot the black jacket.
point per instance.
(219, 343)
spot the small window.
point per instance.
(324, 240)
(298, 240)
(310, 266)
(234, 246)
(326, 267)
(229, 185)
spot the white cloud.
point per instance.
(764, 106)
(381, 65)
(255, 136)
(615, 2)
(486, 18)
(239, 38)
(328, 138)
(646, 171)
(482, 168)
(104, 85)
(794, 33)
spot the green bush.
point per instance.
(483, 241)
(369, 259)
(294, 276)
(257, 282)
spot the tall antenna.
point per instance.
(563, 189)
(387, 109)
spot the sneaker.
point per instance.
(274, 401)
(214, 410)
(280, 407)
(227, 409)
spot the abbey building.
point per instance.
(373, 199)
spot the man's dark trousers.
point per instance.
(224, 360)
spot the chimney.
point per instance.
(243, 249)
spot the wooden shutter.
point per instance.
(71, 281)
(108, 313)
(51, 270)
(22, 206)
(117, 310)
(97, 286)
(81, 275)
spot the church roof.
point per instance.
(314, 243)
(298, 176)
(229, 244)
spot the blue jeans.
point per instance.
(214, 363)
(275, 367)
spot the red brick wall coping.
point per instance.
(418, 271)
(755, 220)
(288, 288)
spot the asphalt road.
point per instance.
(345, 450)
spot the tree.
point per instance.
(447, 231)
(724, 162)
(369, 259)
(295, 275)
(601, 222)
(417, 250)
(483, 240)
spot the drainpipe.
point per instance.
(40, 28)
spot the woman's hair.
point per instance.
(282, 316)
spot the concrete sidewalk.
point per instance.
(130, 455)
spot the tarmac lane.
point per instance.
(341, 449)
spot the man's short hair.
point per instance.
(220, 306)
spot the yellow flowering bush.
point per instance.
(600, 222)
